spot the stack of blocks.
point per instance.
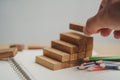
(66, 52)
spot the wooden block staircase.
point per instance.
(66, 51)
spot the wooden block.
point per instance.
(89, 43)
(73, 38)
(65, 64)
(8, 53)
(73, 56)
(37, 46)
(81, 55)
(56, 54)
(76, 27)
(89, 53)
(20, 47)
(82, 48)
(89, 47)
(65, 46)
(74, 63)
(51, 63)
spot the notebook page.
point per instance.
(7, 72)
(27, 59)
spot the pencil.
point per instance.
(82, 67)
(108, 62)
(108, 58)
(96, 68)
(110, 66)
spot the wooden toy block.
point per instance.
(65, 64)
(74, 63)
(73, 38)
(73, 57)
(8, 53)
(30, 47)
(81, 55)
(56, 54)
(88, 53)
(82, 48)
(34, 47)
(89, 47)
(51, 63)
(64, 46)
(89, 43)
(20, 47)
(76, 27)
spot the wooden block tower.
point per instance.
(66, 51)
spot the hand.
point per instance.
(106, 20)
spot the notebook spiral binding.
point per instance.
(19, 70)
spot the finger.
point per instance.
(92, 26)
(105, 32)
(103, 3)
(117, 34)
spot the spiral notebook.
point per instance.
(15, 68)
(23, 67)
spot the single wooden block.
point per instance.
(74, 63)
(65, 46)
(20, 47)
(31, 47)
(73, 56)
(73, 38)
(65, 64)
(56, 54)
(89, 47)
(34, 47)
(88, 53)
(81, 55)
(51, 63)
(76, 27)
(89, 43)
(8, 53)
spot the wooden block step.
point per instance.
(56, 54)
(20, 47)
(51, 63)
(65, 46)
(73, 38)
(76, 27)
(8, 53)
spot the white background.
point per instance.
(40, 21)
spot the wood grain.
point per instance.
(64, 46)
(56, 54)
(8, 53)
(51, 63)
(76, 27)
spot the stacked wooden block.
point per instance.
(66, 51)
(8, 53)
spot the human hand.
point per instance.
(106, 20)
